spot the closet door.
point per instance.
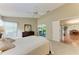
(56, 30)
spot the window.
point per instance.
(42, 30)
(10, 28)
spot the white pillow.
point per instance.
(5, 45)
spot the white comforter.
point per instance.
(25, 45)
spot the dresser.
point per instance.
(27, 33)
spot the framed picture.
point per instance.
(27, 27)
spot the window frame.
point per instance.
(12, 22)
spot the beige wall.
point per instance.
(63, 12)
(21, 21)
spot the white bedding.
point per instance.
(25, 45)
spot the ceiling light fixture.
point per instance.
(35, 13)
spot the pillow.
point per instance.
(5, 45)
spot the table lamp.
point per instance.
(1, 28)
(1, 31)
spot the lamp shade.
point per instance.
(1, 23)
(1, 26)
(1, 29)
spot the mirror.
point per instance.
(27, 27)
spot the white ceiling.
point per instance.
(34, 10)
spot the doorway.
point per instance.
(70, 31)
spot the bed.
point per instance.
(31, 45)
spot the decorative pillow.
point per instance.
(5, 45)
